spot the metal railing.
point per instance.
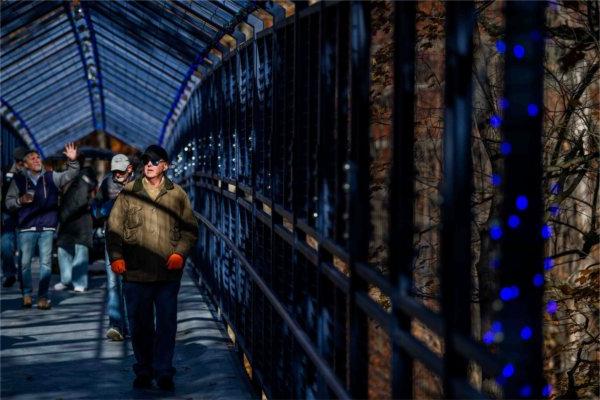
(274, 149)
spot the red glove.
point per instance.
(175, 261)
(118, 266)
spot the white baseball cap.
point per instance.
(119, 162)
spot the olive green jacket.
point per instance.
(145, 232)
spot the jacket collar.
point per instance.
(138, 185)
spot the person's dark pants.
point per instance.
(153, 347)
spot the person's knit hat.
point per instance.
(20, 152)
(154, 153)
(119, 162)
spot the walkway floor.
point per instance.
(62, 353)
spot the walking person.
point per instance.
(75, 232)
(33, 194)
(8, 257)
(151, 230)
(121, 173)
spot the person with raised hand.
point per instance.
(33, 195)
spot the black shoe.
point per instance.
(9, 281)
(142, 382)
(165, 383)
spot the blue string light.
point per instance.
(495, 121)
(554, 209)
(546, 231)
(503, 103)
(488, 337)
(555, 188)
(525, 391)
(508, 370)
(552, 307)
(514, 221)
(500, 46)
(532, 110)
(509, 293)
(496, 180)
(538, 280)
(526, 333)
(522, 202)
(497, 326)
(496, 232)
(505, 148)
(548, 263)
(519, 51)
(547, 390)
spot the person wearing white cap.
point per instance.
(121, 174)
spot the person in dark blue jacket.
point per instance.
(33, 195)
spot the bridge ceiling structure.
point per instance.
(123, 67)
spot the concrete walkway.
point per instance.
(62, 353)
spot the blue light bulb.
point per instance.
(505, 148)
(514, 221)
(496, 180)
(538, 280)
(532, 110)
(496, 326)
(508, 370)
(500, 46)
(495, 121)
(546, 231)
(519, 51)
(522, 202)
(526, 333)
(488, 337)
(495, 232)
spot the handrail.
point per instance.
(298, 333)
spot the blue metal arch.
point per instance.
(68, 11)
(24, 125)
(90, 25)
(241, 16)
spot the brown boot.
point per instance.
(43, 304)
(27, 301)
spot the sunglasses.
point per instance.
(153, 162)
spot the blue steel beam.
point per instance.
(241, 16)
(90, 26)
(23, 130)
(86, 69)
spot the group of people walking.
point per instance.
(149, 227)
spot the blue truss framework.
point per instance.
(140, 63)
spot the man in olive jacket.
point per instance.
(150, 231)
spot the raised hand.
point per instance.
(70, 151)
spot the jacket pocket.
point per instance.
(175, 234)
(133, 221)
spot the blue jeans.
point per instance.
(73, 261)
(153, 347)
(8, 254)
(27, 244)
(114, 297)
